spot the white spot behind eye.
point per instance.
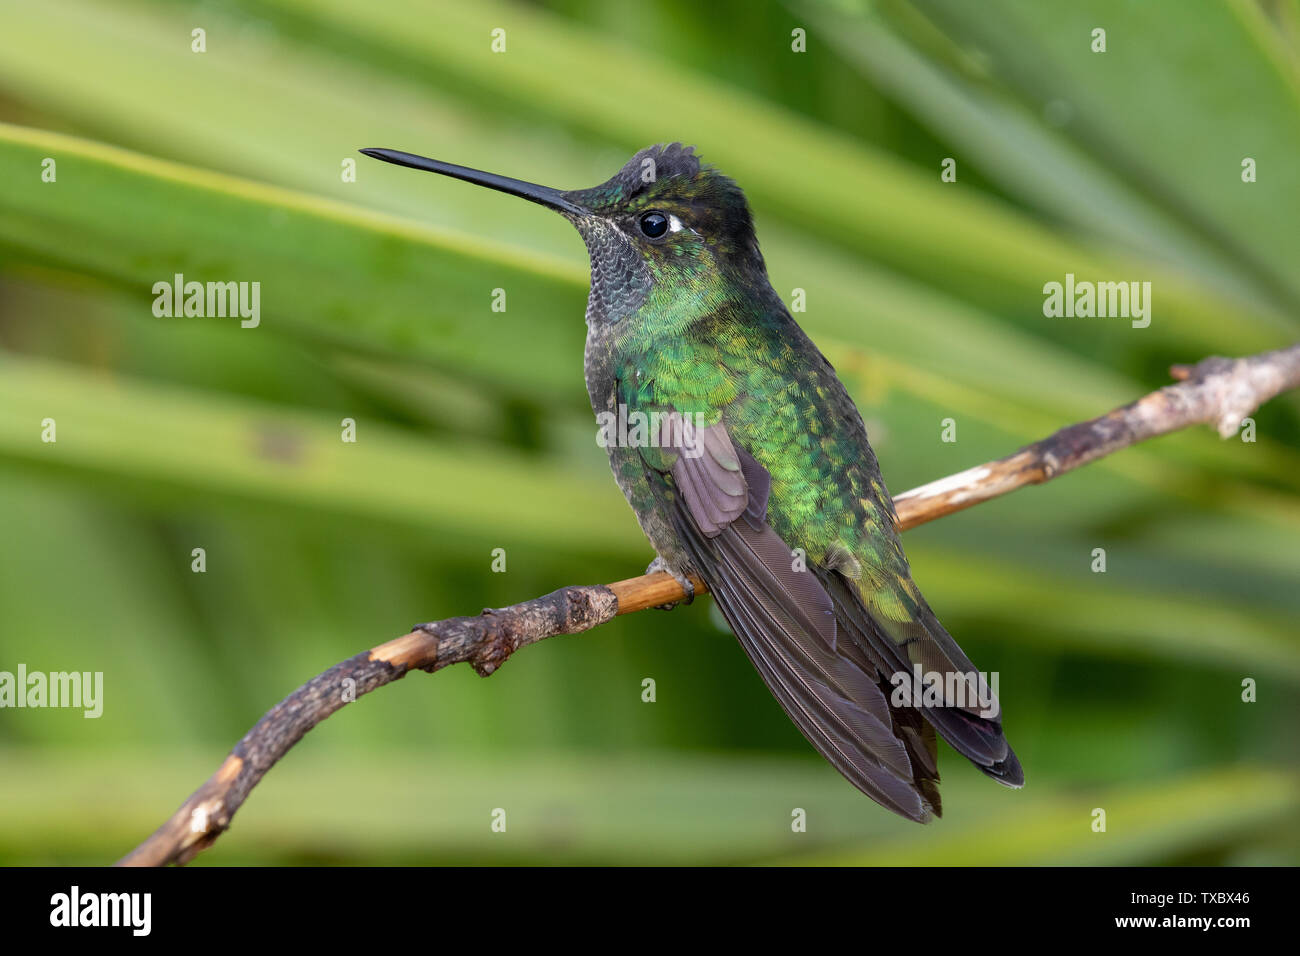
(674, 225)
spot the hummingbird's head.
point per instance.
(665, 226)
(670, 206)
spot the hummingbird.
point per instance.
(755, 475)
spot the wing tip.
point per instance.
(1006, 771)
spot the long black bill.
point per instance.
(544, 195)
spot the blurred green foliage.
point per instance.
(1121, 690)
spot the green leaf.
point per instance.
(1153, 821)
(176, 439)
(354, 277)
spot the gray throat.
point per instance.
(620, 283)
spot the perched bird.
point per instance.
(754, 474)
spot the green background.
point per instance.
(1121, 690)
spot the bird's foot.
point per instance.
(659, 564)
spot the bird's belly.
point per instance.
(647, 494)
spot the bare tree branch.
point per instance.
(1216, 391)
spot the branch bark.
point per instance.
(1216, 391)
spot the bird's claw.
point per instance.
(659, 564)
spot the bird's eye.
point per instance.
(654, 224)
